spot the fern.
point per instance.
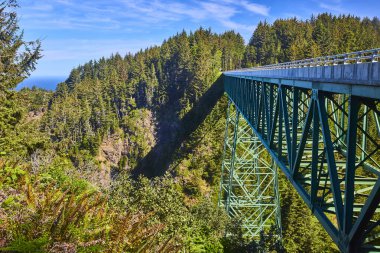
(23, 245)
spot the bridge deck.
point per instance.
(355, 73)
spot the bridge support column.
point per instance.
(249, 183)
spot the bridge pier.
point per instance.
(249, 183)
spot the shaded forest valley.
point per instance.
(125, 155)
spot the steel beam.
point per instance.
(249, 183)
(326, 143)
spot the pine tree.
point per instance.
(266, 46)
(249, 59)
(17, 57)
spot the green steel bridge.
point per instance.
(316, 120)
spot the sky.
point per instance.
(76, 31)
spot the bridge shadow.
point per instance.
(157, 161)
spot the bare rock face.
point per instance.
(110, 153)
(150, 134)
(139, 138)
(111, 150)
(35, 115)
(147, 131)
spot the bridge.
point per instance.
(316, 121)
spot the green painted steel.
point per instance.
(249, 184)
(326, 142)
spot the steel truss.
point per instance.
(249, 184)
(327, 145)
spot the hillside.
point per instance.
(125, 155)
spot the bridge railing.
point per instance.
(372, 55)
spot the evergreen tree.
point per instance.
(17, 59)
(264, 41)
(78, 146)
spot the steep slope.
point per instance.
(159, 112)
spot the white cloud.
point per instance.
(224, 14)
(335, 6)
(41, 7)
(249, 6)
(97, 14)
(219, 10)
(238, 26)
(332, 7)
(121, 25)
(181, 9)
(255, 8)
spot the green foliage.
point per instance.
(301, 230)
(322, 35)
(197, 228)
(40, 216)
(18, 57)
(23, 245)
(63, 193)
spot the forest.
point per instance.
(125, 155)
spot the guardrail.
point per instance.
(371, 55)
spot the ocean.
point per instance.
(48, 83)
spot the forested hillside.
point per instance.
(322, 35)
(125, 155)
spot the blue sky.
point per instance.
(76, 31)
